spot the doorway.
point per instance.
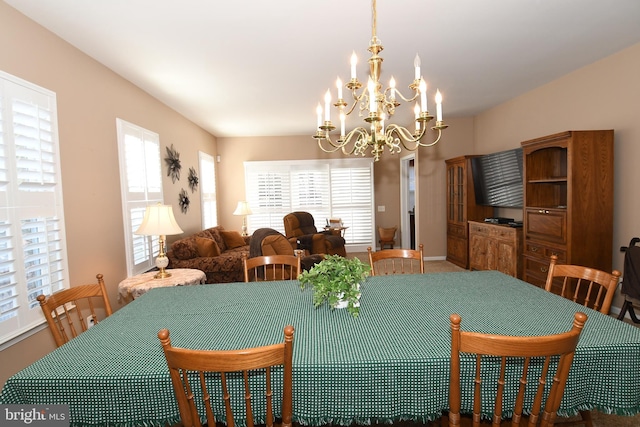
(408, 201)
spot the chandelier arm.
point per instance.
(333, 148)
(361, 99)
(405, 137)
(413, 98)
(359, 145)
(360, 142)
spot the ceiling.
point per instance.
(258, 68)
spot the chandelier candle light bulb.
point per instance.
(327, 105)
(438, 106)
(377, 105)
(423, 95)
(354, 61)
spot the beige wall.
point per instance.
(90, 98)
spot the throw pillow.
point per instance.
(232, 239)
(207, 247)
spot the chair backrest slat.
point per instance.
(271, 267)
(396, 261)
(67, 306)
(516, 355)
(250, 362)
(590, 287)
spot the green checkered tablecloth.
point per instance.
(390, 363)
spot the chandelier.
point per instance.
(375, 105)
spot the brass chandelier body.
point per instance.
(376, 104)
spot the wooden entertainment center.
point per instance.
(568, 209)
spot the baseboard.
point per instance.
(435, 258)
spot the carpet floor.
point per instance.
(599, 419)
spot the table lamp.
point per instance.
(159, 221)
(244, 210)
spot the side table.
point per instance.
(137, 285)
(336, 231)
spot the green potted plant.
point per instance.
(336, 280)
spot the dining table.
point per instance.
(389, 363)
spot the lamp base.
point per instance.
(162, 274)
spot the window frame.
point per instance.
(208, 199)
(140, 250)
(33, 252)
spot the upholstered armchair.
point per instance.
(301, 225)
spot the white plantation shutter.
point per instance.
(269, 195)
(207, 181)
(340, 188)
(33, 256)
(352, 202)
(311, 191)
(141, 185)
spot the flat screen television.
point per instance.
(497, 179)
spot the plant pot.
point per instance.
(343, 303)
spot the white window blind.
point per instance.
(141, 185)
(341, 188)
(33, 255)
(208, 190)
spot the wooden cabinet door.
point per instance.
(478, 252)
(507, 258)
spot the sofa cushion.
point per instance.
(207, 247)
(276, 244)
(232, 239)
(184, 248)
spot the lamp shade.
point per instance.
(242, 209)
(159, 221)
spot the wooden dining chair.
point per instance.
(501, 362)
(587, 286)
(194, 385)
(396, 261)
(65, 310)
(271, 267)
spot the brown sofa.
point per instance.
(215, 251)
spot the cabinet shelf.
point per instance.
(549, 207)
(552, 180)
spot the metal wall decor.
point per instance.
(183, 201)
(193, 180)
(173, 164)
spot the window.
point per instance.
(208, 190)
(141, 185)
(341, 188)
(33, 254)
